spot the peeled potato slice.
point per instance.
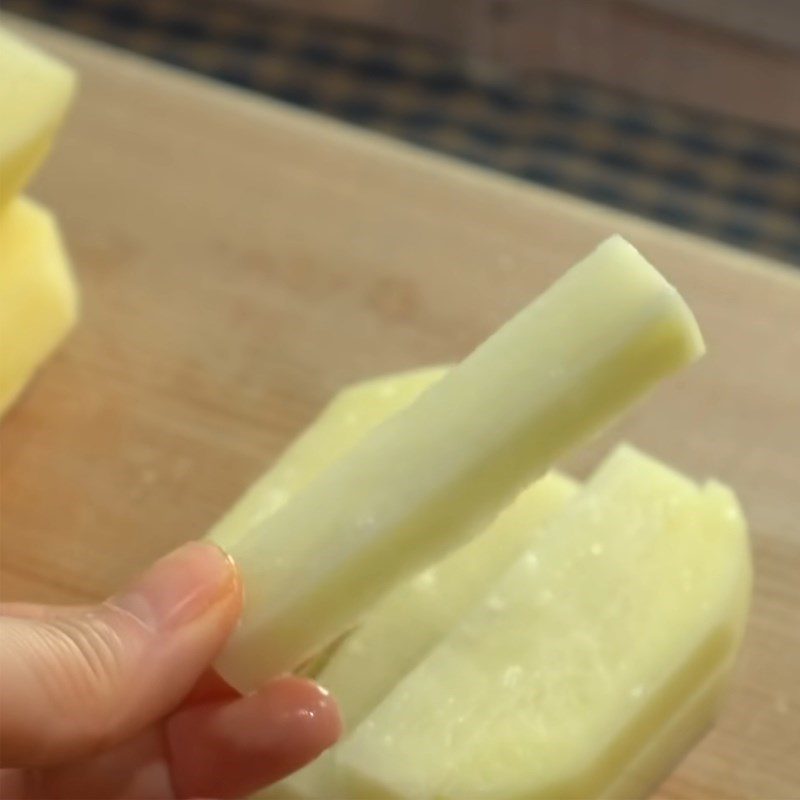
(425, 481)
(594, 664)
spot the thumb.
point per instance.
(77, 680)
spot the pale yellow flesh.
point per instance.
(403, 627)
(38, 298)
(667, 745)
(35, 91)
(425, 481)
(588, 670)
(354, 412)
(417, 613)
(692, 715)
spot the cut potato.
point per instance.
(354, 412)
(417, 613)
(38, 298)
(399, 632)
(594, 663)
(422, 483)
(35, 91)
(401, 628)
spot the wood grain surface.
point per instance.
(241, 260)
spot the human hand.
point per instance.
(118, 700)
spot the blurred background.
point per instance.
(684, 111)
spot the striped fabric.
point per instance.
(719, 177)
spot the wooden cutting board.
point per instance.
(241, 260)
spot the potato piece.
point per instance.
(400, 631)
(35, 91)
(596, 661)
(38, 297)
(354, 412)
(425, 481)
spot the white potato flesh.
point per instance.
(403, 627)
(354, 412)
(592, 666)
(431, 477)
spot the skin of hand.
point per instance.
(118, 700)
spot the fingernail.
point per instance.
(181, 586)
(304, 717)
(259, 738)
